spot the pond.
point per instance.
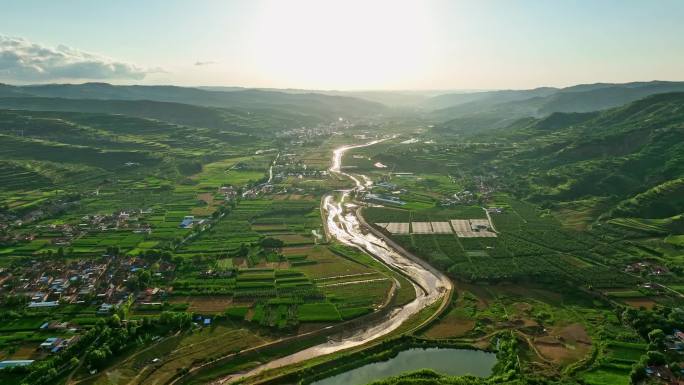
(449, 361)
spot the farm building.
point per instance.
(13, 363)
(187, 222)
(51, 343)
(383, 199)
(43, 304)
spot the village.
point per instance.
(106, 282)
(72, 294)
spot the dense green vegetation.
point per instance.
(587, 201)
(195, 214)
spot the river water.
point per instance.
(343, 225)
(455, 362)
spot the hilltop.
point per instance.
(469, 113)
(624, 161)
(312, 104)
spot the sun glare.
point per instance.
(352, 44)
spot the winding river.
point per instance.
(343, 224)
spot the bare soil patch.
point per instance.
(564, 345)
(452, 325)
(205, 304)
(639, 302)
(208, 198)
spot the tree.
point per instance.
(271, 243)
(115, 321)
(243, 251)
(144, 278)
(176, 320)
(98, 357)
(133, 283)
(655, 357)
(637, 374)
(657, 338)
(13, 301)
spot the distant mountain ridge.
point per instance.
(497, 109)
(324, 106)
(398, 98)
(486, 98)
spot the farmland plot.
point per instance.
(441, 228)
(421, 227)
(398, 228)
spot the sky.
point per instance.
(344, 45)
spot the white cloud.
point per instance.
(22, 60)
(204, 63)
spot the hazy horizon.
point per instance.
(360, 90)
(350, 45)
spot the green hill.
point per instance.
(42, 149)
(256, 121)
(662, 201)
(473, 113)
(310, 104)
(632, 154)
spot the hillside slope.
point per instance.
(492, 111)
(41, 149)
(631, 156)
(257, 121)
(318, 105)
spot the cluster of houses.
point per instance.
(300, 174)
(61, 234)
(229, 192)
(51, 345)
(302, 135)
(119, 220)
(151, 295)
(49, 284)
(385, 198)
(12, 238)
(459, 198)
(54, 283)
(64, 234)
(264, 188)
(56, 344)
(647, 268)
(48, 209)
(289, 165)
